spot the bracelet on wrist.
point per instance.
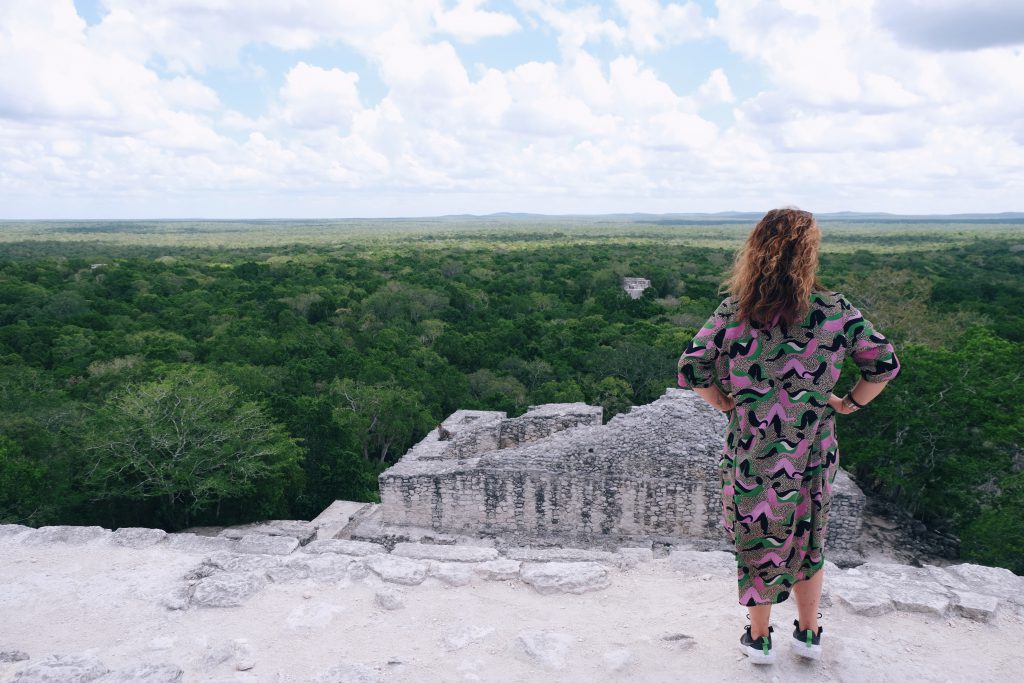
(849, 395)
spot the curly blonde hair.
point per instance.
(777, 268)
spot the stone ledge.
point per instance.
(450, 553)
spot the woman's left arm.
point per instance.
(715, 397)
(697, 364)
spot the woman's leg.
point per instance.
(760, 615)
(807, 595)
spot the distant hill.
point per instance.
(749, 216)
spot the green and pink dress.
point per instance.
(781, 455)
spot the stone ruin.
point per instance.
(557, 476)
(635, 286)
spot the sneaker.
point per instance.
(759, 650)
(806, 643)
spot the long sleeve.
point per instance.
(696, 368)
(869, 348)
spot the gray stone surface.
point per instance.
(698, 563)
(557, 475)
(347, 673)
(397, 569)
(447, 553)
(498, 570)
(548, 649)
(231, 562)
(62, 669)
(145, 673)
(617, 660)
(245, 657)
(265, 544)
(389, 598)
(451, 573)
(293, 571)
(344, 547)
(65, 534)
(200, 545)
(633, 556)
(463, 635)
(12, 531)
(859, 594)
(8, 656)
(137, 537)
(227, 589)
(865, 603)
(335, 517)
(975, 605)
(177, 598)
(527, 554)
(996, 581)
(302, 531)
(678, 641)
(919, 597)
(565, 577)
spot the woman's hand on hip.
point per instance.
(725, 403)
(836, 404)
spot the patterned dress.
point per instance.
(781, 455)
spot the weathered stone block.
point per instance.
(451, 573)
(546, 648)
(995, 581)
(193, 543)
(397, 569)
(12, 531)
(263, 544)
(975, 605)
(343, 547)
(146, 673)
(62, 669)
(74, 535)
(137, 537)
(227, 590)
(498, 570)
(447, 553)
(389, 598)
(565, 577)
(919, 597)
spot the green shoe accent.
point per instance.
(765, 645)
(810, 637)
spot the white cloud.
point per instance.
(575, 27)
(469, 23)
(652, 26)
(716, 89)
(849, 113)
(316, 98)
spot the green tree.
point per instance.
(22, 484)
(189, 442)
(382, 420)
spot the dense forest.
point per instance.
(170, 382)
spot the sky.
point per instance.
(378, 108)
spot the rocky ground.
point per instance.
(85, 604)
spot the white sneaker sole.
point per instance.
(800, 649)
(757, 656)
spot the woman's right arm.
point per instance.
(874, 356)
(862, 392)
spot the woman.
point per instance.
(769, 358)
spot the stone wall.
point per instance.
(556, 474)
